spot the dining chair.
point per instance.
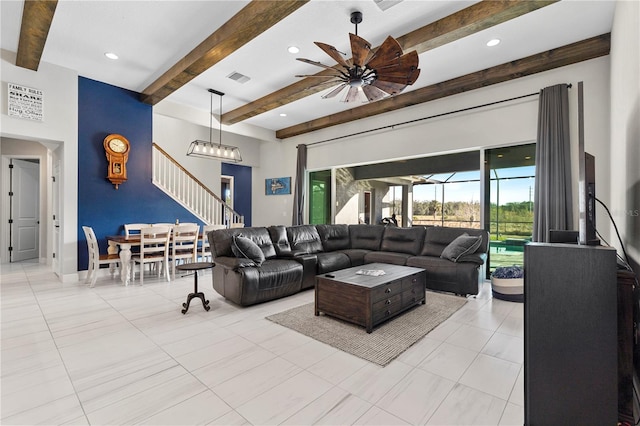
(205, 246)
(134, 228)
(154, 248)
(184, 245)
(96, 259)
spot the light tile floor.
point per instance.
(112, 355)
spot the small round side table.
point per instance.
(195, 267)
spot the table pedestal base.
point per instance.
(205, 303)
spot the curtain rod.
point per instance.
(427, 118)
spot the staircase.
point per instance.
(182, 186)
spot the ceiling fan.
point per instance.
(376, 74)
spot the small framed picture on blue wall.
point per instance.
(277, 186)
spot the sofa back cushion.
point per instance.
(334, 237)
(279, 239)
(366, 237)
(222, 239)
(403, 240)
(437, 238)
(304, 238)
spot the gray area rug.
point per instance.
(386, 342)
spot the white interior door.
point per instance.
(55, 197)
(25, 210)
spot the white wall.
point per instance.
(59, 127)
(504, 124)
(625, 128)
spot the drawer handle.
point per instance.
(387, 312)
(415, 280)
(388, 302)
(388, 290)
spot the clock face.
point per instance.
(117, 145)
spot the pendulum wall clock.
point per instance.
(117, 151)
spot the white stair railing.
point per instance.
(182, 186)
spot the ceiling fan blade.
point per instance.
(360, 50)
(335, 54)
(388, 51)
(318, 76)
(389, 87)
(407, 78)
(352, 94)
(406, 61)
(316, 63)
(335, 91)
(373, 93)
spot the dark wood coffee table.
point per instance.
(369, 300)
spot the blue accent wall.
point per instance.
(242, 191)
(104, 109)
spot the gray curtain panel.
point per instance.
(299, 188)
(553, 208)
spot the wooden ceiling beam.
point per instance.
(470, 20)
(566, 55)
(254, 19)
(37, 16)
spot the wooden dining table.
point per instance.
(121, 245)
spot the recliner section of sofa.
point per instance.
(294, 255)
(247, 285)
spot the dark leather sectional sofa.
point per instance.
(294, 255)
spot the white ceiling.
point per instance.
(151, 36)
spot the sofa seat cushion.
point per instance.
(273, 273)
(386, 257)
(332, 261)
(444, 275)
(356, 256)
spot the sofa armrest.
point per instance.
(233, 263)
(293, 254)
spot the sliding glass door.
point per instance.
(510, 174)
(320, 197)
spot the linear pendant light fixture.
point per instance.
(204, 149)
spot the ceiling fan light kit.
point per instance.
(369, 74)
(211, 150)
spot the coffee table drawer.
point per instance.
(383, 311)
(385, 303)
(386, 291)
(411, 281)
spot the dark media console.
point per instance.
(570, 335)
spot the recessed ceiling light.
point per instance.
(282, 114)
(111, 55)
(293, 49)
(493, 42)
